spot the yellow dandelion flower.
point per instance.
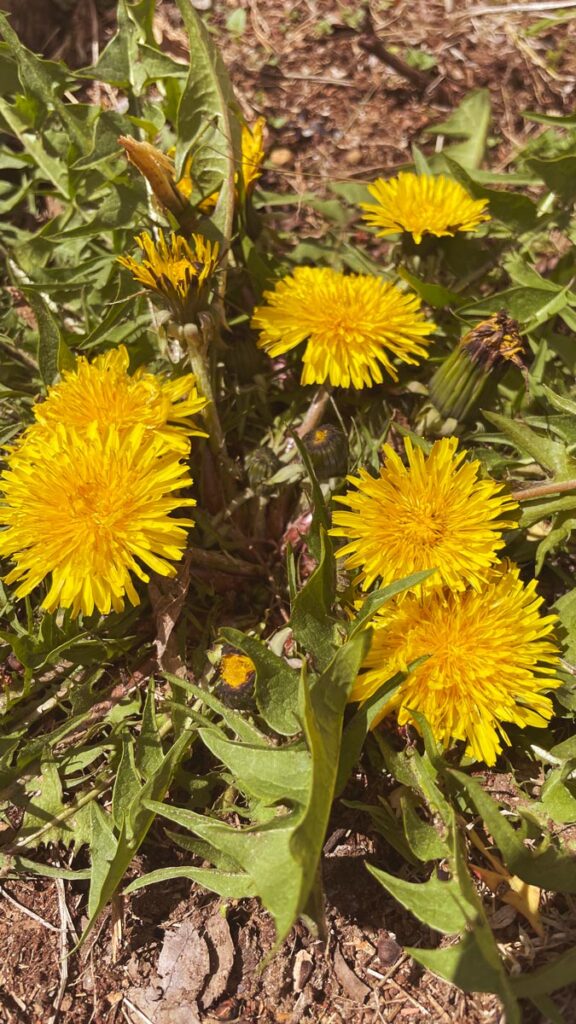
(422, 204)
(252, 142)
(489, 658)
(181, 275)
(185, 183)
(236, 676)
(252, 153)
(355, 325)
(89, 509)
(434, 513)
(103, 392)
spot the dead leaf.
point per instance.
(220, 941)
(303, 967)
(183, 966)
(184, 961)
(167, 598)
(509, 888)
(353, 987)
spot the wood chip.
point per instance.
(302, 969)
(350, 982)
(281, 157)
(220, 940)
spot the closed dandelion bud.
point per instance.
(158, 169)
(327, 447)
(481, 356)
(261, 464)
(236, 675)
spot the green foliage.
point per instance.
(95, 755)
(279, 853)
(469, 122)
(448, 900)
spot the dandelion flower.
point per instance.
(103, 392)
(89, 509)
(236, 675)
(483, 353)
(252, 141)
(179, 273)
(434, 513)
(489, 656)
(422, 204)
(355, 325)
(252, 153)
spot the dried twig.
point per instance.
(63, 950)
(143, 1017)
(423, 81)
(217, 562)
(27, 911)
(546, 5)
(541, 490)
(419, 79)
(117, 909)
(411, 999)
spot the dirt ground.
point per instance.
(336, 110)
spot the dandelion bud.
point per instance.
(261, 464)
(236, 675)
(481, 355)
(327, 447)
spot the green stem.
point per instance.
(197, 350)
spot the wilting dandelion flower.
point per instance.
(489, 657)
(158, 169)
(180, 273)
(423, 204)
(355, 326)
(434, 513)
(88, 509)
(483, 353)
(103, 392)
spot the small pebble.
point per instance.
(353, 156)
(388, 950)
(281, 157)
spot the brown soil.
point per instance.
(335, 111)
(222, 969)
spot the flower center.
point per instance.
(94, 506)
(236, 670)
(424, 526)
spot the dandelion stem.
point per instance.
(540, 490)
(315, 412)
(198, 352)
